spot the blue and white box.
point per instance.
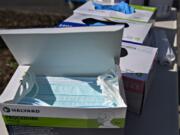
(136, 32)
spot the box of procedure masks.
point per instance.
(66, 78)
(142, 13)
(137, 67)
(135, 32)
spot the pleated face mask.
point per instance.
(74, 92)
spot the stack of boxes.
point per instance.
(137, 66)
(37, 50)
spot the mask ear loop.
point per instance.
(27, 84)
(106, 83)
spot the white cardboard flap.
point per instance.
(65, 51)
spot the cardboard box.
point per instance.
(54, 52)
(142, 14)
(137, 71)
(136, 32)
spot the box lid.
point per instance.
(65, 51)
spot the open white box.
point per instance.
(85, 51)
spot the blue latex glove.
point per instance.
(70, 24)
(98, 24)
(120, 7)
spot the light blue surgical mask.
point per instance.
(75, 92)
